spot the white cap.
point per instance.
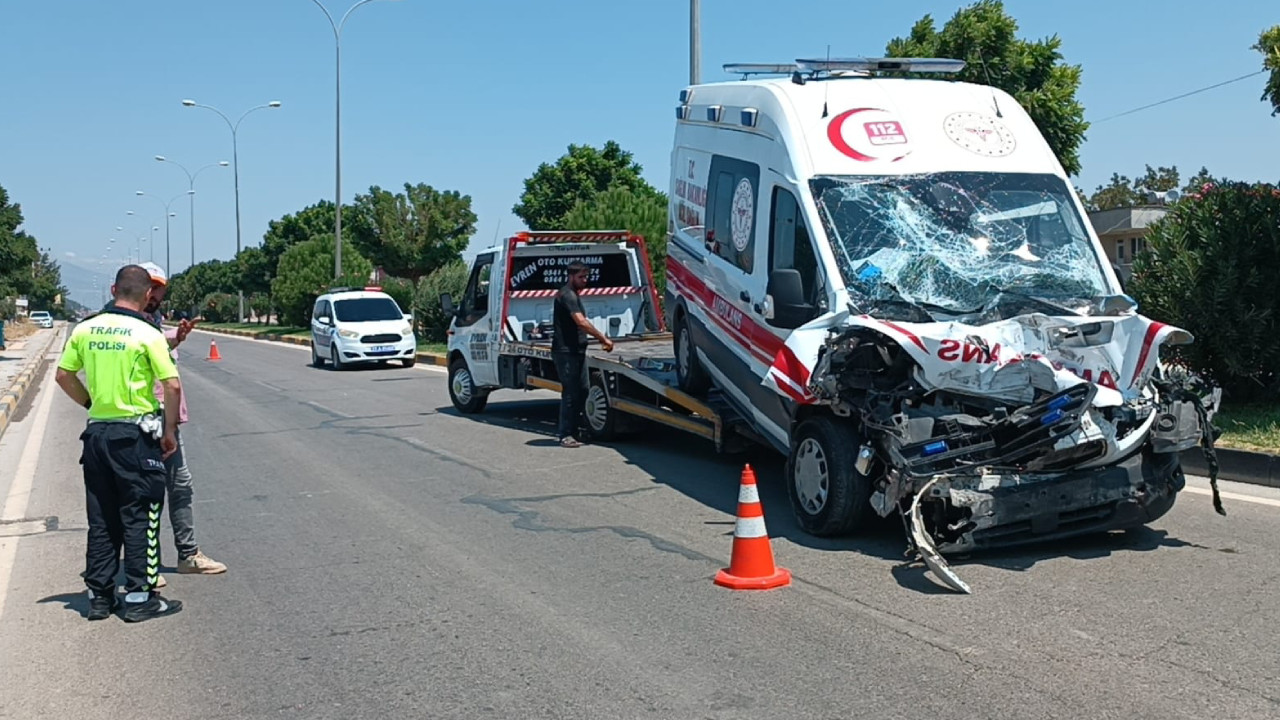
(156, 272)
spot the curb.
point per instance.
(1241, 466)
(21, 384)
(422, 357)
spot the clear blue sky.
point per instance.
(472, 96)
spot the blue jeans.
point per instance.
(178, 486)
(571, 369)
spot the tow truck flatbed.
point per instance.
(637, 379)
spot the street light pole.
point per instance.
(235, 165)
(337, 132)
(167, 215)
(191, 192)
(695, 42)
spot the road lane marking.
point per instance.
(329, 410)
(19, 497)
(1234, 496)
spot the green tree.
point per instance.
(409, 234)
(450, 278)
(1121, 192)
(1209, 267)
(305, 272)
(25, 269)
(189, 288)
(309, 222)
(620, 208)
(1269, 45)
(984, 36)
(1196, 183)
(555, 189)
(255, 269)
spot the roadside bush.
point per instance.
(432, 322)
(400, 290)
(257, 306)
(306, 271)
(640, 211)
(1211, 267)
(220, 307)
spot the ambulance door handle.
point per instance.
(744, 296)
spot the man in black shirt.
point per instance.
(569, 349)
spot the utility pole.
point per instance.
(695, 42)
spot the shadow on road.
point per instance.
(690, 466)
(77, 602)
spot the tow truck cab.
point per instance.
(893, 280)
(506, 310)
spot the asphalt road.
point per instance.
(390, 558)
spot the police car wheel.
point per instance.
(316, 360)
(336, 358)
(410, 361)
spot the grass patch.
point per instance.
(257, 329)
(1250, 427)
(430, 347)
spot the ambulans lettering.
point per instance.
(974, 353)
(729, 313)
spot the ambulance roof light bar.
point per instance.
(748, 69)
(945, 66)
(859, 66)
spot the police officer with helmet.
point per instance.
(126, 442)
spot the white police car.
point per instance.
(360, 325)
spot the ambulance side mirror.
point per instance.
(786, 296)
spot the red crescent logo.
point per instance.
(835, 134)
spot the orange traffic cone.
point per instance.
(751, 567)
(213, 351)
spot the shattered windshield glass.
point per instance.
(959, 241)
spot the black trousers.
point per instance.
(124, 480)
(571, 369)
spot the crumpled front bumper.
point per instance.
(1006, 511)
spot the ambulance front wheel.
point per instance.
(689, 373)
(462, 389)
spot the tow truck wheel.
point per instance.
(689, 374)
(829, 497)
(462, 389)
(600, 416)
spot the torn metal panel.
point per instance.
(928, 553)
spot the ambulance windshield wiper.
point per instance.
(1054, 308)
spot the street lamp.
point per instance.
(191, 191)
(235, 165)
(167, 215)
(337, 131)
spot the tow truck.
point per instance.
(500, 336)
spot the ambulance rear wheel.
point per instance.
(689, 373)
(466, 397)
(829, 497)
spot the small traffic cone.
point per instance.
(751, 567)
(213, 351)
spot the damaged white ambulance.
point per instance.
(893, 281)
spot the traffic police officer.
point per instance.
(125, 445)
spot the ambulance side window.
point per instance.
(791, 247)
(731, 211)
(475, 303)
(791, 244)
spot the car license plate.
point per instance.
(383, 348)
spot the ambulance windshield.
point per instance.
(958, 241)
